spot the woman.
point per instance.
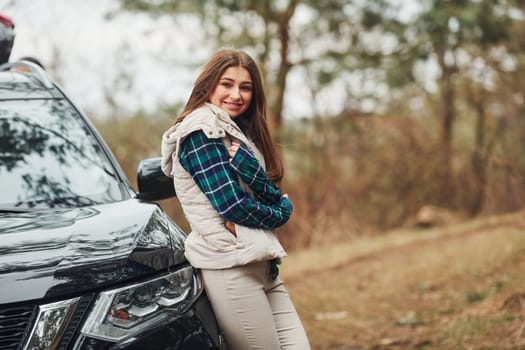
(225, 170)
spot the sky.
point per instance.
(95, 56)
(139, 61)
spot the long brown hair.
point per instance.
(254, 119)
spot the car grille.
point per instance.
(13, 323)
(73, 327)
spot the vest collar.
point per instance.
(223, 116)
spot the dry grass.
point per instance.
(462, 287)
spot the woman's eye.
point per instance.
(226, 84)
(246, 88)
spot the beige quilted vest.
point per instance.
(210, 245)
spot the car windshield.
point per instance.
(49, 158)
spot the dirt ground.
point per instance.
(460, 287)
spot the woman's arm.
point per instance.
(252, 173)
(207, 161)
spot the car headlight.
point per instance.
(121, 313)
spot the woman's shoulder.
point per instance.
(202, 118)
(200, 114)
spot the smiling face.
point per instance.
(234, 91)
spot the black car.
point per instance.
(85, 261)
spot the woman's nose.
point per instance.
(235, 93)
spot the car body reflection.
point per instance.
(64, 250)
(50, 160)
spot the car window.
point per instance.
(49, 159)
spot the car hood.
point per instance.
(57, 253)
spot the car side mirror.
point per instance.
(152, 182)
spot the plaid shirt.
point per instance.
(207, 160)
(253, 175)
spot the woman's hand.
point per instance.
(233, 149)
(230, 226)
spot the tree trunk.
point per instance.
(448, 117)
(479, 159)
(276, 108)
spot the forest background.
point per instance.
(415, 119)
(431, 108)
(409, 115)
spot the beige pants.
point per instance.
(253, 311)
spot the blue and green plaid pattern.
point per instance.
(207, 161)
(253, 174)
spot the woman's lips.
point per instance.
(233, 106)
